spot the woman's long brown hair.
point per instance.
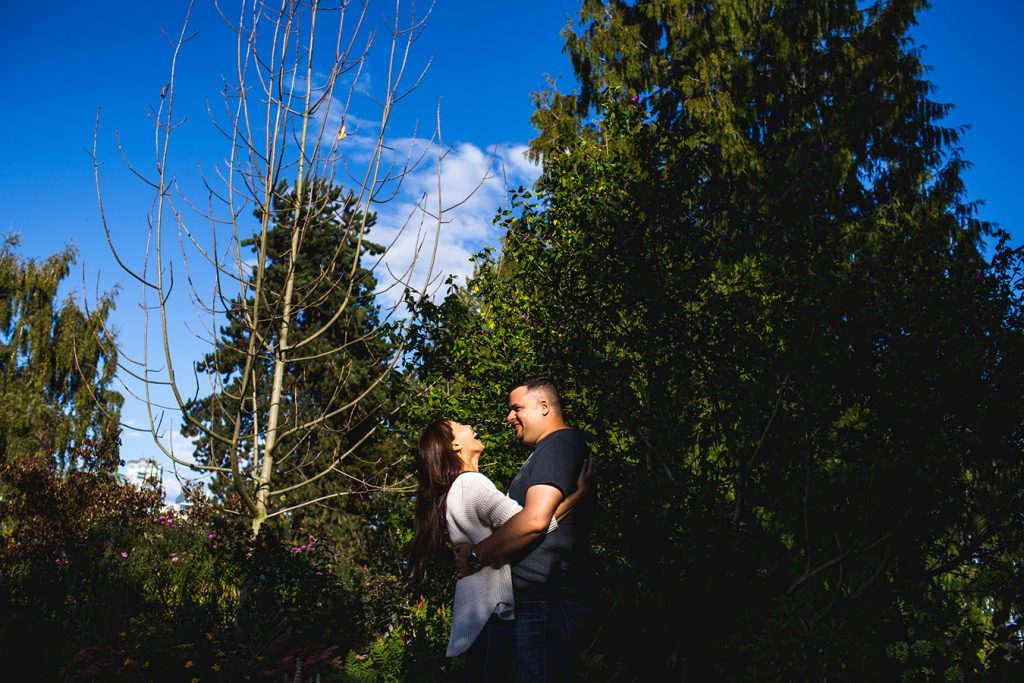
(437, 466)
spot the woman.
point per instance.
(452, 496)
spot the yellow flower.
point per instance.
(188, 664)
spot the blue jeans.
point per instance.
(550, 634)
(489, 658)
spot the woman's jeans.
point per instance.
(549, 637)
(489, 658)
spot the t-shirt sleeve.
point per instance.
(559, 459)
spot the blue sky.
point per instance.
(62, 60)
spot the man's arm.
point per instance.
(518, 532)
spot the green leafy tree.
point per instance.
(757, 275)
(56, 362)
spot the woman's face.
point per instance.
(466, 444)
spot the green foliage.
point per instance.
(56, 362)
(414, 650)
(755, 273)
(98, 582)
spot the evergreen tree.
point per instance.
(334, 366)
(799, 353)
(56, 363)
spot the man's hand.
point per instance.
(462, 567)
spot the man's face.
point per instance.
(527, 413)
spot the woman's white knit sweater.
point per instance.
(475, 508)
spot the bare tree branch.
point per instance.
(291, 121)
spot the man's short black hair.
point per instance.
(544, 384)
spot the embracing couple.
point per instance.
(525, 579)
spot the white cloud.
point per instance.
(472, 185)
(520, 166)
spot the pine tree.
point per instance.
(334, 367)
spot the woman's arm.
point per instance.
(583, 484)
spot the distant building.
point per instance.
(143, 472)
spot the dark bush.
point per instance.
(98, 581)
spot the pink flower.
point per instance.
(124, 554)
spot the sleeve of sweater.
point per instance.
(492, 507)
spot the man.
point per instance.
(551, 575)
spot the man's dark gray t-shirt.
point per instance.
(556, 565)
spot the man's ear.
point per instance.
(544, 407)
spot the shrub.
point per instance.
(100, 582)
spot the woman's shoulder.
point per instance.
(472, 481)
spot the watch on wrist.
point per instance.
(472, 560)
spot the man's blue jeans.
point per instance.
(550, 634)
(489, 658)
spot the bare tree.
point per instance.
(292, 133)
